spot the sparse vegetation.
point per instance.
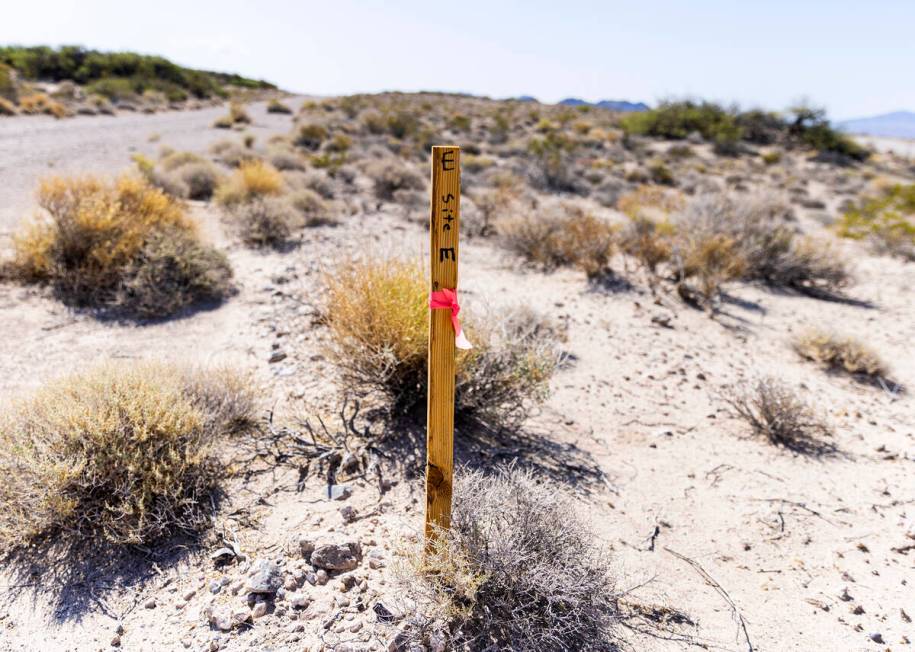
(561, 235)
(265, 221)
(237, 115)
(122, 246)
(775, 412)
(116, 74)
(378, 317)
(517, 570)
(845, 354)
(886, 219)
(121, 454)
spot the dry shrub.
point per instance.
(391, 176)
(649, 242)
(276, 106)
(312, 207)
(231, 153)
(266, 221)
(561, 235)
(252, 180)
(122, 454)
(39, 103)
(378, 314)
(517, 570)
(652, 202)
(838, 353)
(120, 245)
(7, 108)
(237, 116)
(711, 259)
(769, 246)
(201, 179)
(774, 411)
(283, 159)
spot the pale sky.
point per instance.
(854, 57)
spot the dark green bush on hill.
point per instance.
(726, 127)
(118, 74)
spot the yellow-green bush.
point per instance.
(253, 179)
(39, 103)
(378, 316)
(123, 454)
(887, 219)
(120, 245)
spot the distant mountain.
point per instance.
(526, 98)
(610, 105)
(899, 124)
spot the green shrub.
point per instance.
(125, 455)
(265, 221)
(551, 155)
(120, 72)
(810, 127)
(886, 219)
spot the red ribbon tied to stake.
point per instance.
(447, 300)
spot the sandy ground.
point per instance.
(812, 554)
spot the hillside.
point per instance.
(899, 124)
(71, 79)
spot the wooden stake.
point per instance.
(443, 235)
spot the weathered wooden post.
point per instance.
(444, 330)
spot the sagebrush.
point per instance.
(517, 570)
(122, 454)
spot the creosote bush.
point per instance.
(378, 317)
(265, 222)
(517, 570)
(775, 412)
(276, 106)
(391, 176)
(121, 454)
(120, 245)
(839, 353)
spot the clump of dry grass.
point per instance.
(118, 454)
(378, 317)
(252, 180)
(837, 353)
(120, 245)
(517, 570)
(276, 106)
(774, 411)
(237, 116)
(561, 235)
(39, 103)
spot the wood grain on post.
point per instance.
(443, 232)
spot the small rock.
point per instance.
(215, 586)
(276, 356)
(348, 512)
(116, 641)
(187, 595)
(119, 629)
(321, 577)
(337, 556)
(265, 577)
(290, 584)
(306, 547)
(877, 637)
(298, 600)
(150, 604)
(338, 492)
(311, 578)
(259, 611)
